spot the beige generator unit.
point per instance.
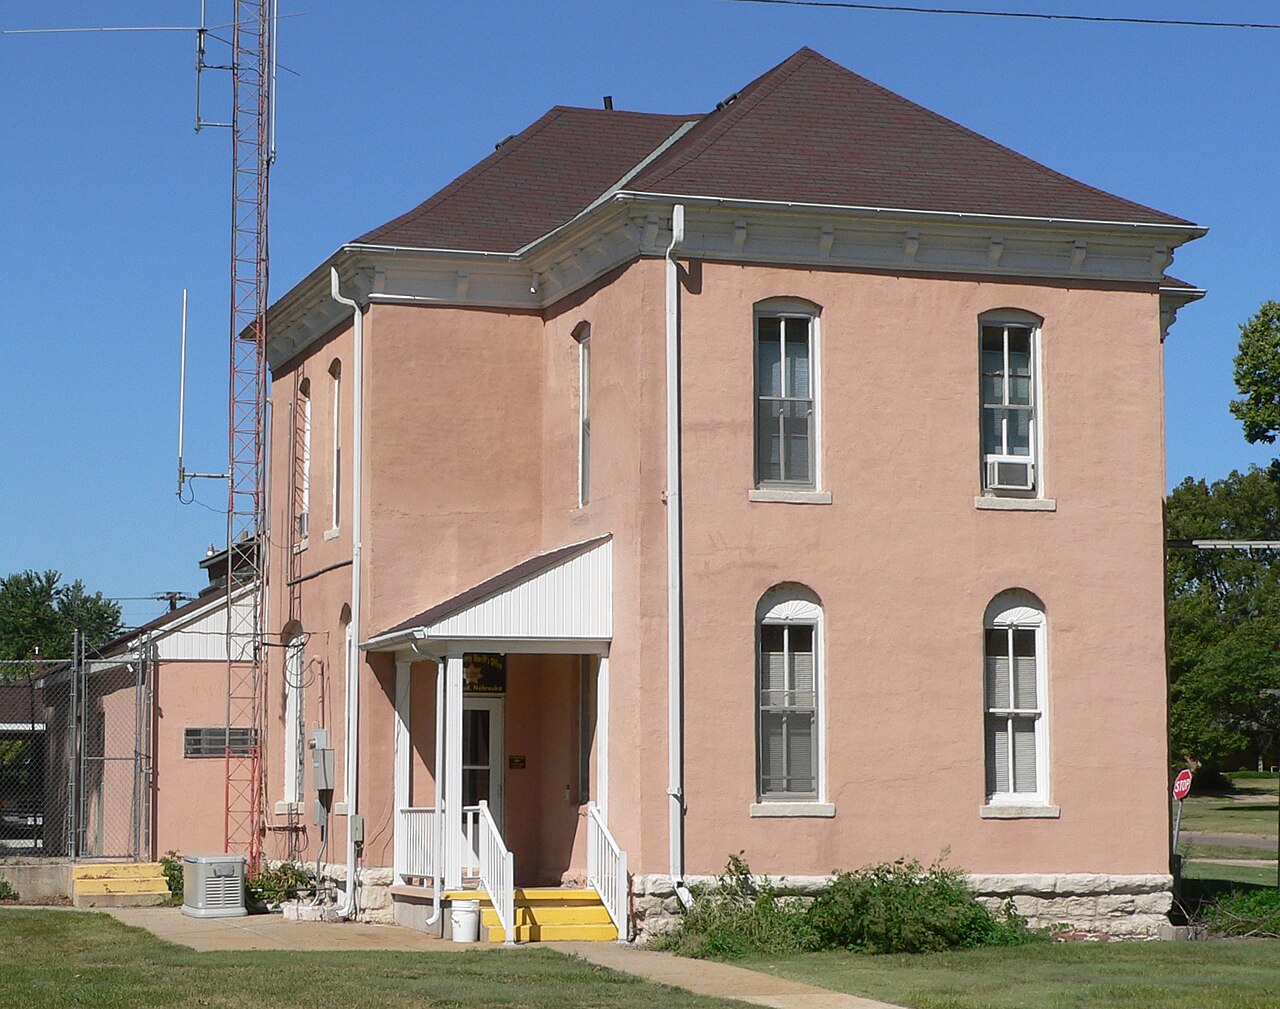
(213, 886)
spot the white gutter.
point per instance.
(1195, 230)
(351, 736)
(675, 575)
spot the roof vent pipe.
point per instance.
(724, 103)
(608, 103)
(508, 137)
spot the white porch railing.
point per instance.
(607, 869)
(496, 868)
(418, 855)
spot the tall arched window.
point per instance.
(1015, 688)
(583, 335)
(789, 683)
(335, 380)
(787, 407)
(1012, 444)
(302, 461)
(294, 754)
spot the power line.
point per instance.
(1026, 15)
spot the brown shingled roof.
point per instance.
(532, 183)
(807, 131)
(810, 131)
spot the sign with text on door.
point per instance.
(484, 673)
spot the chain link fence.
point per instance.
(75, 764)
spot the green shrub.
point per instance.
(279, 883)
(7, 892)
(1250, 775)
(738, 916)
(901, 907)
(1210, 782)
(171, 863)
(1245, 912)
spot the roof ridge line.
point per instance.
(761, 87)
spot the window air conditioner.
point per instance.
(304, 525)
(1008, 472)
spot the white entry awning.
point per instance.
(558, 601)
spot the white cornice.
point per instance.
(630, 225)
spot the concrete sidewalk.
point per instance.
(720, 980)
(271, 931)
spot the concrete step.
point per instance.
(557, 933)
(155, 884)
(584, 914)
(531, 896)
(119, 899)
(117, 870)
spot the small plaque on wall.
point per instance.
(516, 762)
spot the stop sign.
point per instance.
(1182, 785)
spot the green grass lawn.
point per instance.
(1192, 849)
(1221, 814)
(1229, 874)
(55, 959)
(1155, 975)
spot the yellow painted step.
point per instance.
(533, 895)
(586, 914)
(117, 870)
(84, 887)
(557, 933)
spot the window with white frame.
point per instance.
(302, 461)
(788, 687)
(786, 405)
(583, 335)
(335, 380)
(1015, 688)
(294, 754)
(1010, 366)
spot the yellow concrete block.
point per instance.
(95, 886)
(117, 870)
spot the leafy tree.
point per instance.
(1257, 375)
(39, 612)
(1224, 617)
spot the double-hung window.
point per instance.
(788, 686)
(294, 752)
(786, 403)
(1015, 685)
(335, 376)
(302, 462)
(1010, 422)
(583, 336)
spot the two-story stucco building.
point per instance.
(784, 479)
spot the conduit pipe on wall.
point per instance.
(351, 735)
(675, 574)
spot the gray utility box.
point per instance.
(213, 886)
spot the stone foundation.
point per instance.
(1126, 907)
(373, 889)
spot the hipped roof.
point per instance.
(807, 131)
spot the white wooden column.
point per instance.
(602, 736)
(403, 757)
(453, 771)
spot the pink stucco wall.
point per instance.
(471, 463)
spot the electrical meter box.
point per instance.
(321, 761)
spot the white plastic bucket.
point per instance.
(464, 920)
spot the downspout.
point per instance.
(351, 736)
(675, 584)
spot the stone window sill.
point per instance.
(1016, 504)
(300, 546)
(331, 534)
(779, 495)
(997, 812)
(819, 809)
(283, 808)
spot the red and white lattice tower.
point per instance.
(251, 71)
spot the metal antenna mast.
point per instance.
(252, 69)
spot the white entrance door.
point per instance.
(483, 758)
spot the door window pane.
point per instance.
(475, 738)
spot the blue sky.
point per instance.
(111, 204)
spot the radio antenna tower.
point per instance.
(253, 70)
